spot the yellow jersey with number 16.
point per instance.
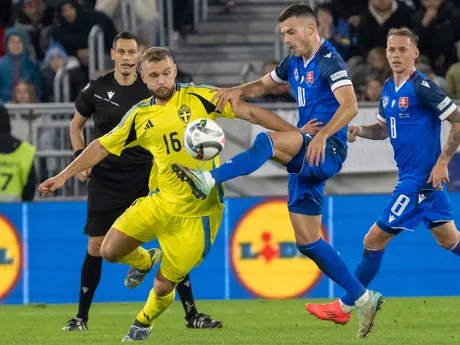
(160, 130)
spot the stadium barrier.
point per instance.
(254, 254)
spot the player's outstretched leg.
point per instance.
(339, 311)
(280, 145)
(160, 297)
(135, 276)
(194, 319)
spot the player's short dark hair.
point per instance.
(405, 32)
(125, 35)
(296, 10)
(155, 54)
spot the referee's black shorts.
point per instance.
(98, 222)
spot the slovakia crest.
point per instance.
(310, 78)
(403, 103)
(296, 74)
(385, 101)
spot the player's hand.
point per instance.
(51, 185)
(311, 127)
(82, 176)
(352, 133)
(316, 152)
(224, 95)
(439, 176)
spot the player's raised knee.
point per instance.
(109, 253)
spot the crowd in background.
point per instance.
(41, 36)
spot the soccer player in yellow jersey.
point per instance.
(184, 226)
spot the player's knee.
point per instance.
(162, 285)
(94, 246)
(108, 254)
(376, 239)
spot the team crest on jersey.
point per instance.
(296, 74)
(403, 103)
(385, 101)
(310, 78)
(185, 113)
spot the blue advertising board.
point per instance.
(42, 247)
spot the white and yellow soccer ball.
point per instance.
(204, 139)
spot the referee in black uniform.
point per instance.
(115, 182)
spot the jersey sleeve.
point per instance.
(123, 136)
(335, 72)
(381, 115)
(85, 101)
(432, 97)
(280, 74)
(204, 96)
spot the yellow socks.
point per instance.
(154, 307)
(139, 258)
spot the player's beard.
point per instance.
(163, 93)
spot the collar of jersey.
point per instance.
(305, 64)
(397, 88)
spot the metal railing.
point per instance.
(61, 85)
(95, 50)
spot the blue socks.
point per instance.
(330, 262)
(366, 271)
(246, 162)
(456, 248)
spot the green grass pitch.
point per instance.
(432, 321)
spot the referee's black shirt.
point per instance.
(115, 181)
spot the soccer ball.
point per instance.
(204, 139)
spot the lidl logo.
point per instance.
(10, 257)
(265, 257)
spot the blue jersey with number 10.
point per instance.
(314, 82)
(413, 112)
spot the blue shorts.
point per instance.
(405, 211)
(306, 183)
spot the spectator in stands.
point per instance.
(430, 75)
(74, 25)
(146, 17)
(437, 24)
(377, 66)
(57, 58)
(16, 163)
(334, 29)
(16, 65)
(24, 93)
(452, 85)
(280, 94)
(1, 40)
(36, 19)
(378, 19)
(372, 90)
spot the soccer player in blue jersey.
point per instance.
(323, 89)
(410, 113)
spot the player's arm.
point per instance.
(260, 116)
(256, 88)
(113, 142)
(453, 141)
(433, 98)
(376, 131)
(336, 74)
(346, 112)
(85, 108)
(90, 156)
(76, 133)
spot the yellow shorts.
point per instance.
(184, 241)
